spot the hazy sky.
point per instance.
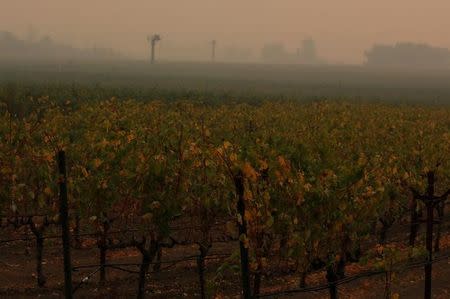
(343, 29)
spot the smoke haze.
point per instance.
(342, 30)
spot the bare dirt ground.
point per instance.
(18, 278)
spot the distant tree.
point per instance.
(274, 52)
(6, 36)
(308, 52)
(46, 40)
(213, 49)
(9, 40)
(233, 53)
(32, 33)
(408, 55)
(11, 47)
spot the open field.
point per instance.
(227, 82)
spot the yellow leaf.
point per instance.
(85, 172)
(282, 162)
(248, 195)
(263, 165)
(264, 262)
(48, 157)
(248, 216)
(266, 197)
(239, 219)
(48, 191)
(104, 185)
(130, 137)
(250, 172)
(243, 238)
(56, 218)
(226, 144)
(104, 143)
(155, 205)
(147, 216)
(97, 162)
(379, 249)
(230, 227)
(307, 187)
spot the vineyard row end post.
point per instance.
(64, 217)
(245, 268)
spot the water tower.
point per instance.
(153, 40)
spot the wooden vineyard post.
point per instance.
(245, 272)
(64, 216)
(332, 278)
(429, 240)
(430, 201)
(201, 270)
(414, 226)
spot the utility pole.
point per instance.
(153, 40)
(213, 54)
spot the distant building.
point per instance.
(277, 53)
(408, 55)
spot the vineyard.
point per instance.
(269, 199)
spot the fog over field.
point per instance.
(342, 30)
